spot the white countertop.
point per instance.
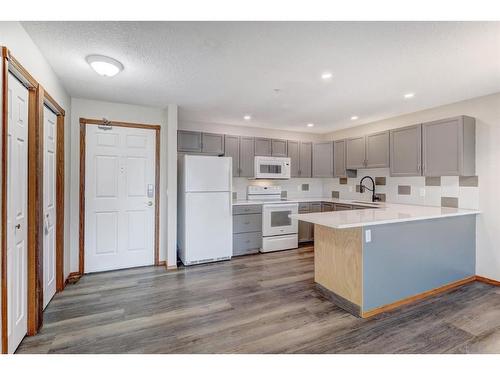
(243, 202)
(387, 213)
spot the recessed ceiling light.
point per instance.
(247, 117)
(310, 125)
(409, 95)
(326, 75)
(105, 66)
(354, 118)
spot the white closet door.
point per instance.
(119, 198)
(49, 205)
(17, 220)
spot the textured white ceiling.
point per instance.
(219, 71)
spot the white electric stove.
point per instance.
(279, 231)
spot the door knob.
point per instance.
(150, 203)
(18, 226)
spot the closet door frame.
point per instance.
(37, 98)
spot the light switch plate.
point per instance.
(422, 192)
(350, 189)
(368, 235)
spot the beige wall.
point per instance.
(128, 113)
(486, 110)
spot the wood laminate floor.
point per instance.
(262, 303)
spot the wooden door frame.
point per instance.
(49, 102)
(35, 194)
(75, 276)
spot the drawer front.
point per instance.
(316, 207)
(304, 207)
(247, 243)
(359, 207)
(247, 209)
(247, 223)
(326, 207)
(343, 207)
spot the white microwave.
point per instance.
(270, 167)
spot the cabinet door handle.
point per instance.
(247, 222)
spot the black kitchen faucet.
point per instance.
(362, 188)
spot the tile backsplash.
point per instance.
(293, 188)
(410, 190)
(406, 190)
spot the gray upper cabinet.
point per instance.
(339, 159)
(232, 150)
(406, 151)
(294, 155)
(263, 147)
(305, 157)
(188, 141)
(322, 159)
(212, 143)
(448, 147)
(198, 142)
(377, 150)
(355, 153)
(278, 147)
(247, 156)
(300, 154)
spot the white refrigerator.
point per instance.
(205, 225)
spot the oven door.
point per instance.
(272, 168)
(276, 219)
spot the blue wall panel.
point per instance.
(405, 259)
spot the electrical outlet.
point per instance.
(351, 189)
(368, 235)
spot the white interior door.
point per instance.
(17, 206)
(49, 205)
(119, 198)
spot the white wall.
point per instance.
(128, 113)
(486, 110)
(210, 127)
(14, 37)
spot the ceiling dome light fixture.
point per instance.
(409, 95)
(354, 118)
(326, 75)
(104, 66)
(247, 117)
(310, 125)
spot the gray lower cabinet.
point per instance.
(355, 153)
(406, 151)
(448, 147)
(188, 141)
(246, 243)
(232, 150)
(339, 169)
(322, 159)
(300, 154)
(241, 150)
(263, 147)
(247, 156)
(247, 229)
(279, 147)
(377, 150)
(306, 230)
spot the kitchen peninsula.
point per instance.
(373, 260)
